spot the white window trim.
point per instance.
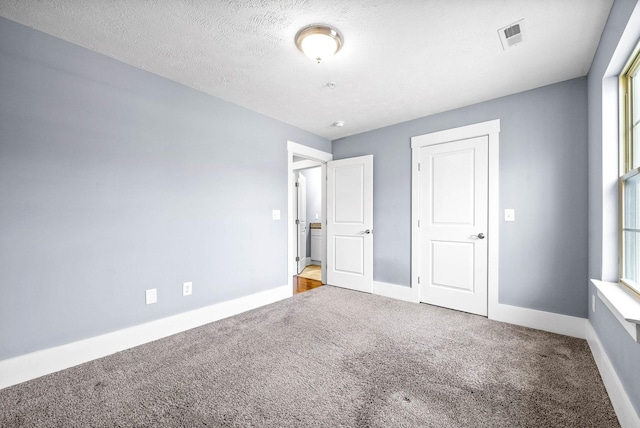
(622, 299)
(622, 303)
(626, 168)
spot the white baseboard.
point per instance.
(30, 366)
(394, 291)
(621, 402)
(540, 320)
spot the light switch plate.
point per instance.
(276, 214)
(151, 296)
(509, 214)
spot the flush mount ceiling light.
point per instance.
(318, 41)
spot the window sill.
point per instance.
(622, 303)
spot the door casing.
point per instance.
(492, 130)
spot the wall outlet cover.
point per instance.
(187, 288)
(275, 214)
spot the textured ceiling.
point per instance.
(402, 59)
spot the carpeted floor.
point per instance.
(329, 357)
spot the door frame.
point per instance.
(492, 130)
(313, 157)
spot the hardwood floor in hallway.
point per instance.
(308, 279)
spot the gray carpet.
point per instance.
(329, 357)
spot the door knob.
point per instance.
(479, 235)
(366, 232)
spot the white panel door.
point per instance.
(350, 223)
(301, 220)
(453, 224)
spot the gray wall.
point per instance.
(114, 180)
(543, 176)
(622, 350)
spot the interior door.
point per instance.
(350, 223)
(453, 215)
(301, 221)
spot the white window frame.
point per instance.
(629, 77)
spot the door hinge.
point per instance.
(418, 166)
(418, 223)
(418, 280)
(297, 259)
(297, 221)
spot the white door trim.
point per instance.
(316, 157)
(492, 130)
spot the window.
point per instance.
(630, 176)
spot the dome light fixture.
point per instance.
(319, 41)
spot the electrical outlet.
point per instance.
(275, 214)
(593, 302)
(151, 296)
(187, 288)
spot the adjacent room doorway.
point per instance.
(346, 220)
(299, 223)
(309, 224)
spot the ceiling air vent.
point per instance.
(511, 35)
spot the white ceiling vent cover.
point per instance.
(511, 35)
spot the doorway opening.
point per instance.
(306, 217)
